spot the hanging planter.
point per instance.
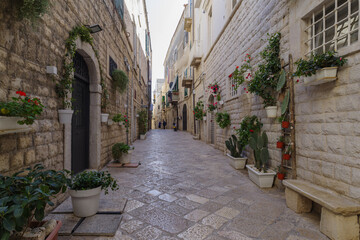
(204, 118)
(280, 145)
(280, 176)
(321, 76)
(271, 111)
(247, 75)
(104, 117)
(286, 156)
(285, 124)
(65, 115)
(11, 123)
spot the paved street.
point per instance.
(185, 189)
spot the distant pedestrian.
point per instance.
(164, 124)
(160, 124)
(174, 126)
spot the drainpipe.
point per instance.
(193, 92)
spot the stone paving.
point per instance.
(185, 189)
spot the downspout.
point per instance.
(193, 93)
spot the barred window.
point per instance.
(233, 87)
(112, 65)
(335, 26)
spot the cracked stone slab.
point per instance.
(99, 225)
(68, 220)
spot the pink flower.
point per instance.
(233, 85)
(230, 76)
(244, 88)
(251, 130)
(297, 80)
(247, 92)
(340, 58)
(215, 103)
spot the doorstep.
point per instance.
(104, 223)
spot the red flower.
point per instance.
(125, 120)
(233, 85)
(215, 103)
(237, 67)
(297, 80)
(234, 127)
(230, 76)
(244, 88)
(21, 93)
(247, 54)
(36, 102)
(251, 130)
(29, 100)
(340, 58)
(247, 92)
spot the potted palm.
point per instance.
(24, 197)
(121, 153)
(320, 68)
(85, 189)
(235, 156)
(259, 173)
(19, 112)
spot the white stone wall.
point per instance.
(327, 127)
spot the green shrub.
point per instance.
(248, 125)
(118, 149)
(143, 121)
(120, 79)
(223, 119)
(92, 179)
(32, 9)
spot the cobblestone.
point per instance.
(234, 208)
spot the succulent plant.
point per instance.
(234, 146)
(258, 142)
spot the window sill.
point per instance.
(349, 50)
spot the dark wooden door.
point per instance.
(184, 118)
(80, 119)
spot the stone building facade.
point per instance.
(327, 115)
(26, 50)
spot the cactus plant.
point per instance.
(234, 146)
(258, 142)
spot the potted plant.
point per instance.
(259, 172)
(248, 125)
(223, 120)
(214, 88)
(143, 124)
(199, 112)
(19, 112)
(280, 172)
(85, 189)
(320, 68)
(24, 198)
(104, 117)
(287, 153)
(284, 121)
(266, 78)
(235, 156)
(212, 107)
(122, 120)
(243, 73)
(280, 142)
(218, 98)
(121, 153)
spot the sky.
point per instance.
(163, 16)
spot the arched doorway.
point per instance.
(184, 118)
(81, 116)
(211, 123)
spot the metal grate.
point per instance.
(335, 26)
(233, 87)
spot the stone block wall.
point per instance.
(26, 50)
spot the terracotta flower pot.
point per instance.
(286, 156)
(285, 124)
(280, 176)
(279, 144)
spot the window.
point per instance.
(119, 5)
(112, 65)
(335, 26)
(158, 106)
(233, 87)
(186, 92)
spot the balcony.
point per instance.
(187, 82)
(187, 24)
(195, 54)
(174, 97)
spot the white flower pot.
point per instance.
(246, 76)
(110, 122)
(271, 111)
(323, 75)
(126, 157)
(221, 102)
(204, 118)
(263, 180)
(85, 202)
(104, 117)
(237, 163)
(142, 136)
(65, 115)
(10, 123)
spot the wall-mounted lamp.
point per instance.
(51, 70)
(94, 28)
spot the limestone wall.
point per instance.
(25, 51)
(327, 127)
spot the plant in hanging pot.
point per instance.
(120, 79)
(320, 68)
(212, 107)
(121, 153)
(243, 73)
(19, 112)
(24, 198)
(284, 121)
(280, 172)
(235, 156)
(223, 119)
(104, 117)
(287, 153)
(280, 142)
(259, 172)
(85, 189)
(266, 78)
(143, 124)
(214, 88)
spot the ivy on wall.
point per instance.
(64, 86)
(31, 10)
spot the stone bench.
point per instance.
(339, 214)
